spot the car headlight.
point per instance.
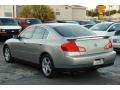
(3, 30)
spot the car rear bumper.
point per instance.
(84, 68)
(87, 61)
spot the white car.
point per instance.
(8, 26)
(106, 28)
(116, 41)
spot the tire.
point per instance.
(47, 66)
(7, 55)
(118, 52)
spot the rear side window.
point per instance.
(73, 31)
(40, 33)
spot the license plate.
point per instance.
(98, 61)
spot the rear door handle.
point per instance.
(40, 44)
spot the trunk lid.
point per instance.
(93, 45)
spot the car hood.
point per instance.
(10, 27)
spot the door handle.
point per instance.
(40, 44)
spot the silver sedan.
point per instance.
(58, 46)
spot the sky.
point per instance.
(88, 3)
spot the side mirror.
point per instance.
(111, 30)
(16, 37)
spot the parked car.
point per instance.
(59, 46)
(84, 23)
(106, 28)
(50, 22)
(67, 21)
(87, 25)
(8, 26)
(96, 21)
(25, 22)
(116, 41)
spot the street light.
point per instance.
(110, 6)
(13, 11)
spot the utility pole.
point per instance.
(119, 8)
(109, 11)
(13, 11)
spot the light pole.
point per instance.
(13, 11)
(109, 11)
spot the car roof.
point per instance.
(109, 23)
(59, 24)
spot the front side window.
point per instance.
(27, 33)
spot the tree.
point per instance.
(110, 12)
(92, 12)
(25, 12)
(43, 12)
(118, 11)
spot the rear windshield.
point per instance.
(8, 21)
(73, 31)
(33, 21)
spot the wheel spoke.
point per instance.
(7, 54)
(48, 68)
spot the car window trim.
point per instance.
(43, 33)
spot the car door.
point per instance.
(34, 46)
(113, 29)
(20, 47)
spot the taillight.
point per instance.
(72, 47)
(108, 45)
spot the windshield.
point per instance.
(8, 21)
(33, 21)
(73, 31)
(101, 27)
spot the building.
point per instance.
(7, 11)
(64, 12)
(69, 12)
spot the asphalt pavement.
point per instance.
(22, 74)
